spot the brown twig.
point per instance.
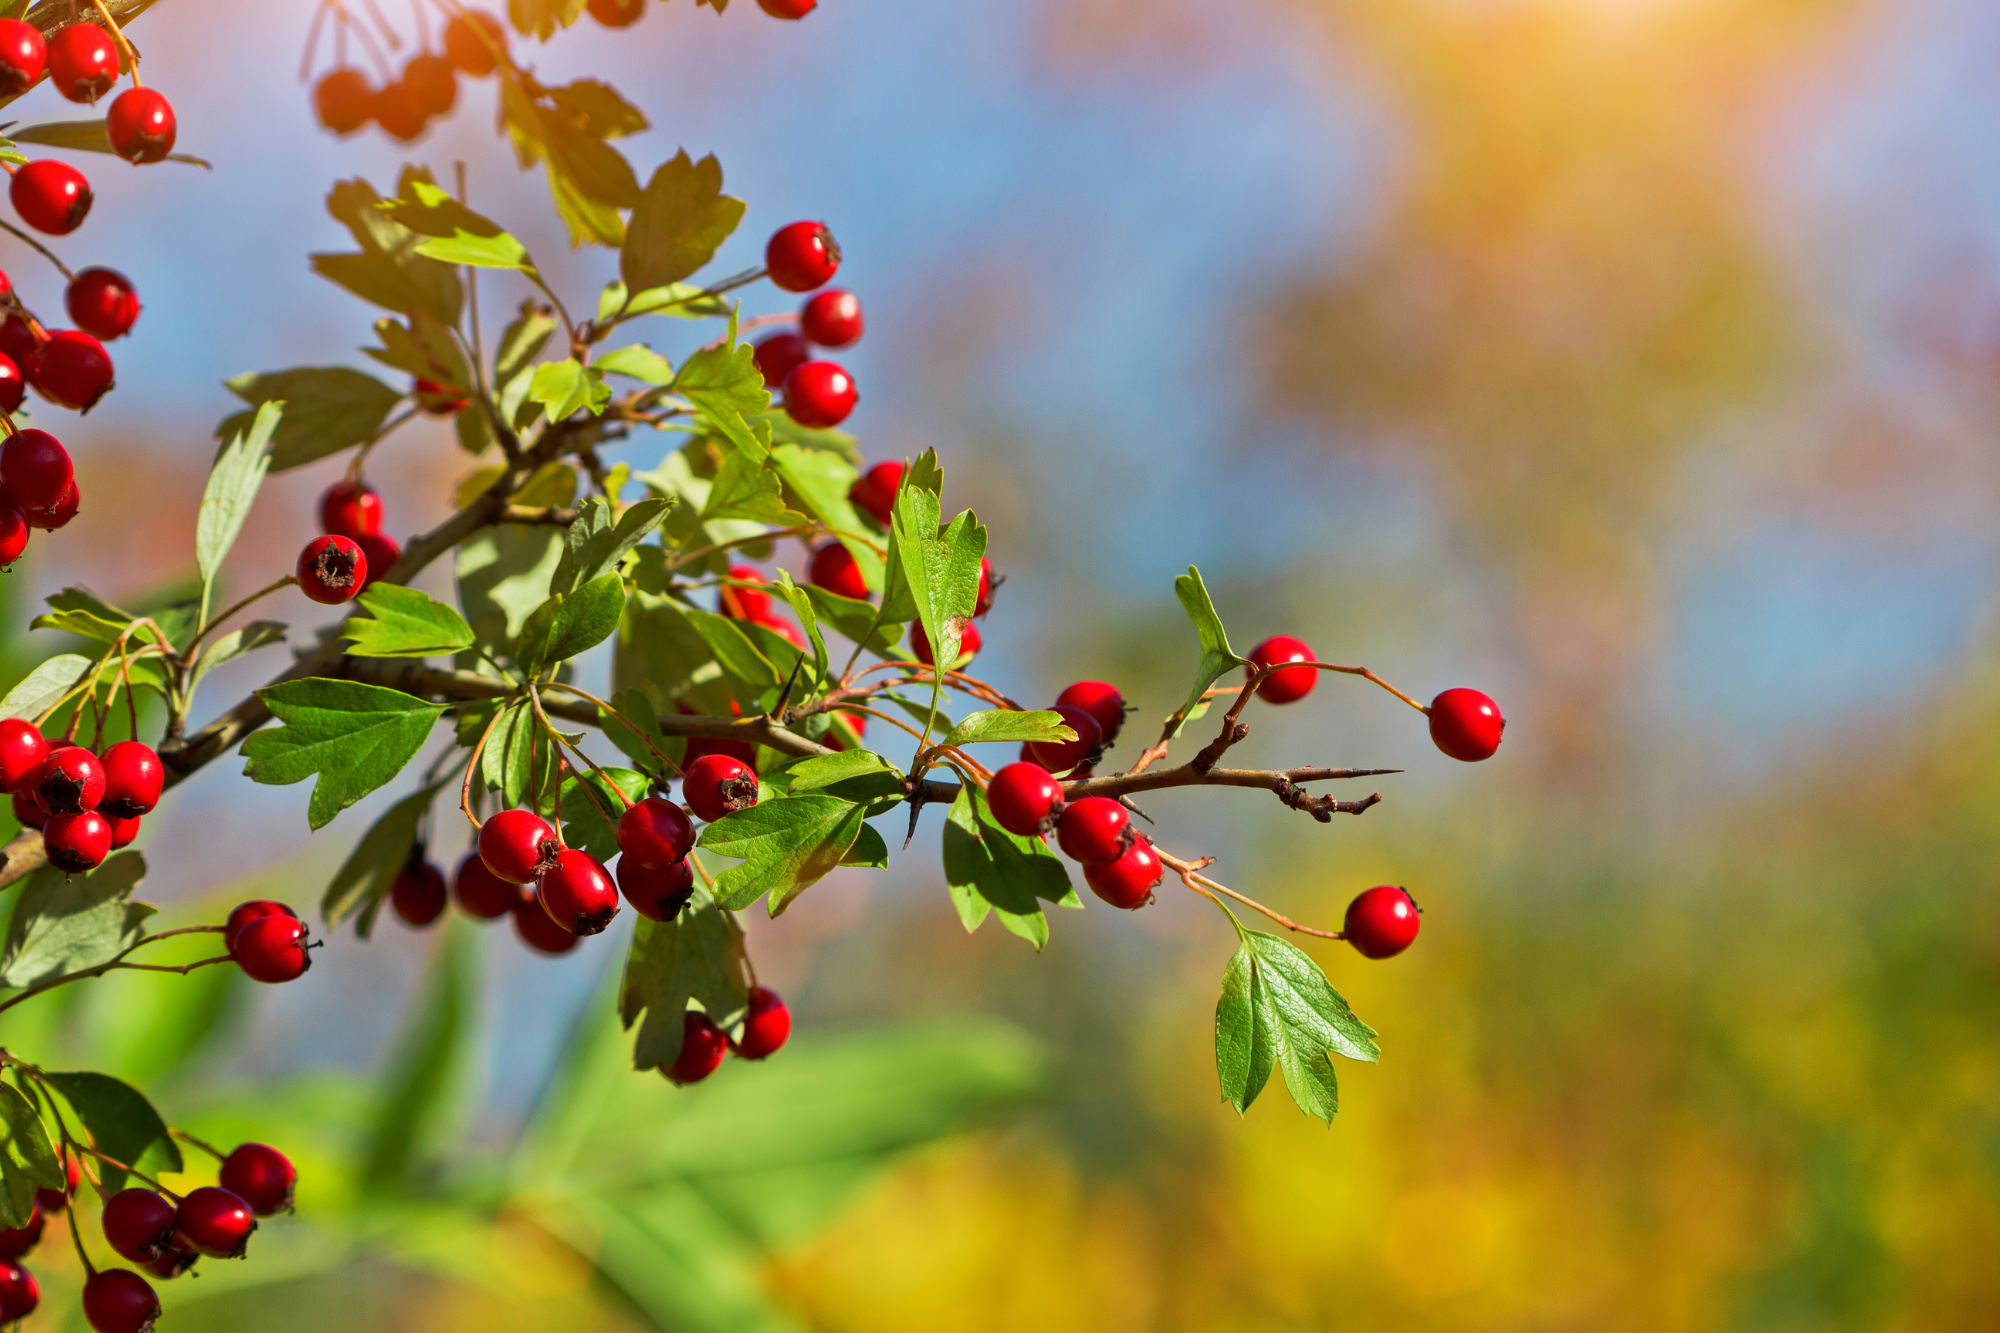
(1202, 884)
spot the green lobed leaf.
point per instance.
(583, 826)
(676, 300)
(49, 681)
(786, 846)
(638, 362)
(453, 233)
(594, 545)
(863, 622)
(1243, 1039)
(1006, 724)
(697, 956)
(366, 876)
(681, 220)
(571, 623)
(1277, 1007)
(522, 341)
(1217, 657)
(327, 409)
(598, 109)
(65, 923)
(355, 737)
(564, 387)
(802, 607)
(387, 270)
(827, 769)
(939, 569)
(404, 622)
(728, 391)
(233, 484)
(122, 1124)
(982, 882)
(746, 489)
(424, 348)
(28, 1159)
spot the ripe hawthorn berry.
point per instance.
(766, 1025)
(655, 833)
(617, 13)
(1129, 881)
(1025, 799)
(28, 812)
(76, 843)
(436, 399)
(746, 603)
(418, 892)
(272, 949)
(139, 1224)
(577, 893)
(474, 41)
(1381, 921)
(71, 369)
(1288, 684)
(177, 1260)
(787, 9)
(118, 1300)
(83, 62)
(779, 355)
(255, 910)
(14, 529)
(17, 1241)
(382, 552)
(344, 101)
(802, 256)
(13, 384)
(332, 569)
(19, 340)
(480, 892)
(970, 641)
(22, 749)
(1101, 700)
(50, 196)
(141, 126)
(36, 468)
(1062, 756)
(538, 931)
(20, 1294)
(133, 780)
(989, 584)
(832, 318)
(1466, 725)
(834, 569)
(819, 395)
(432, 81)
(102, 301)
(124, 832)
(518, 845)
(215, 1222)
(70, 780)
(350, 509)
(57, 515)
(261, 1176)
(875, 493)
(845, 729)
(716, 785)
(702, 1047)
(658, 894)
(24, 54)
(399, 110)
(1095, 830)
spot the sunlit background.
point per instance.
(1633, 360)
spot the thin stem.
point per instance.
(472, 765)
(290, 580)
(43, 250)
(556, 738)
(1190, 876)
(645, 740)
(124, 42)
(186, 1137)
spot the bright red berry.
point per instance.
(474, 41)
(655, 833)
(716, 785)
(970, 641)
(215, 1222)
(141, 126)
(832, 318)
(779, 355)
(802, 256)
(24, 54)
(71, 369)
(28, 812)
(432, 81)
(833, 568)
(57, 515)
(70, 781)
(656, 893)
(332, 570)
(1025, 799)
(1095, 830)
(399, 110)
(1466, 724)
(83, 62)
(255, 910)
(418, 892)
(1062, 756)
(139, 1224)
(17, 1241)
(875, 493)
(746, 603)
(22, 750)
(50, 196)
(382, 552)
(481, 893)
(272, 949)
(538, 931)
(1129, 881)
(1101, 700)
(819, 395)
(702, 1046)
(1381, 921)
(1288, 684)
(350, 509)
(261, 1176)
(577, 893)
(133, 780)
(14, 529)
(617, 13)
(102, 301)
(766, 1024)
(19, 340)
(124, 832)
(20, 1294)
(13, 384)
(787, 9)
(518, 845)
(344, 101)
(118, 1300)
(989, 584)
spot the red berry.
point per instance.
(215, 1222)
(848, 729)
(70, 781)
(254, 910)
(1095, 830)
(118, 1300)
(1025, 799)
(481, 893)
(54, 1201)
(875, 493)
(988, 585)
(332, 570)
(716, 785)
(17, 1241)
(1381, 921)
(103, 302)
(787, 9)
(1129, 881)
(344, 101)
(617, 13)
(439, 400)
(834, 569)
(350, 509)
(819, 395)
(57, 515)
(1466, 724)
(538, 931)
(141, 126)
(28, 812)
(432, 81)
(14, 529)
(1062, 756)
(518, 846)
(24, 54)
(577, 893)
(1289, 684)
(783, 629)
(702, 1045)
(139, 1224)
(19, 340)
(802, 256)
(133, 780)
(399, 110)
(655, 833)
(19, 1292)
(261, 1176)
(779, 355)
(83, 62)
(969, 643)
(832, 318)
(656, 893)
(1101, 700)
(50, 196)
(124, 832)
(71, 369)
(177, 1260)
(13, 385)
(474, 41)
(766, 1024)
(382, 552)
(418, 892)
(746, 603)
(271, 949)
(22, 749)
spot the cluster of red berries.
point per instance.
(354, 552)
(268, 941)
(67, 367)
(19, 1292)
(37, 489)
(86, 805)
(475, 43)
(803, 257)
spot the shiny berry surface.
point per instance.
(102, 302)
(538, 931)
(1129, 881)
(71, 370)
(141, 127)
(779, 355)
(14, 529)
(118, 1300)
(70, 780)
(59, 514)
(255, 910)
(1062, 756)
(702, 1049)
(50, 196)
(767, 1022)
(1466, 725)
(745, 603)
(215, 1222)
(418, 893)
(1025, 799)
(659, 894)
(788, 9)
(833, 568)
(261, 1176)
(832, 318)
(518, 845)
(272, 949)
(24, 55)
(716, 785)
(820, 395)
(350, 509)
(1381, 922)
(578, 893)
(20, 1294)
(1095, 830)
(802, 256)
(139, 1224)
(77, 843)
(83, 62)
(655, 833)
(874, 494)
(133, 780)
(13, 384)
(17, 1241)
(481, 893)
(36, 468)
(22, 750)
(1286, 685)
(332, 570)
(381, 551)
(1101, 700)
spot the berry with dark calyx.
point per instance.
(658, 894)
(875, 493)
(1062, 756)
(970, 641)
(432, 81)
(1095, 830)
(1381, 921)
(989, 583)
(20, 1294)
(399, 110)
(70, 781)
(272, 949)
(50, 196)
(787, 9)
(745, 603)
(382, 552)
(832, 318)
(577, 893)
(255, 910)
(779, 355)
(518, 845)
(57, 515)
(702, 1047)
(1129, 881)
(1466, 725)
(83, 62)
(177, 1260)
(124, 832)
(261, 1176)
(480, 892)
(1101, 700)
(350, 509)
(28, 812)
(473, 41)
(36, 468)
(766, 1025)
(17, 1241)
(802, 256)
(215, 1222)
(141, 126)
(71, 369)
(617, 13)
(332, 569)
(139, 1224)
(833, 568)
(102, 301)
(439, 400)
(819, 395)
(538, 931)
(344, 101)
(118, 1300)
(655, 833)
(14, 530)
(716, 785)
(133, 780)
(1287, 684)
(24, 54)
(22, 750)
(418, 892)
(1025, 799)
(13, 384)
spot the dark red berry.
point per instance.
(439, 400)
(272, 949)
(834, 569)
(133, 780)
(617, 13)
(1025, 799)
(344, 101)
(1062, 756)
(1288, 684)
(1381, 921)
(875, 493)
(118, 1300)
(832, 318)
(702, 1047)
(787, 9)
(802, 256)
(766, 1024)
(124, 832)
(36, 468)
(1466, 724)
(1101, 700)
(24, 54)
(54, 1201)
(22, 750)
(261, 1176)
(970, 641)
(77, 843)
(988, 585)
(432, 81)
(1129, 881)
(57, 515)
(538, 931)
(139, 1224)
(141, 126)
(14, 529)
(102, 301)
(215, 1222)
(382, 552)
(399, 110)
(332, 569)
(746, 603)
(50, 196)
(577, 893)
(19, 340)
(779, 355)
(819, 395)
(13, 385)
(19, 1292)
(71, 369)
(482, 893)
(83, 62)
(659, 894)
(655, 833)
(854, 725)
(1095, 830)
(518, 845)
(716, 785)
(474, 41)
(177, 1260)
(28, 812)
(350, 509)
(70, 780)
(17, 1241)
(418, 892)
(255, 910)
